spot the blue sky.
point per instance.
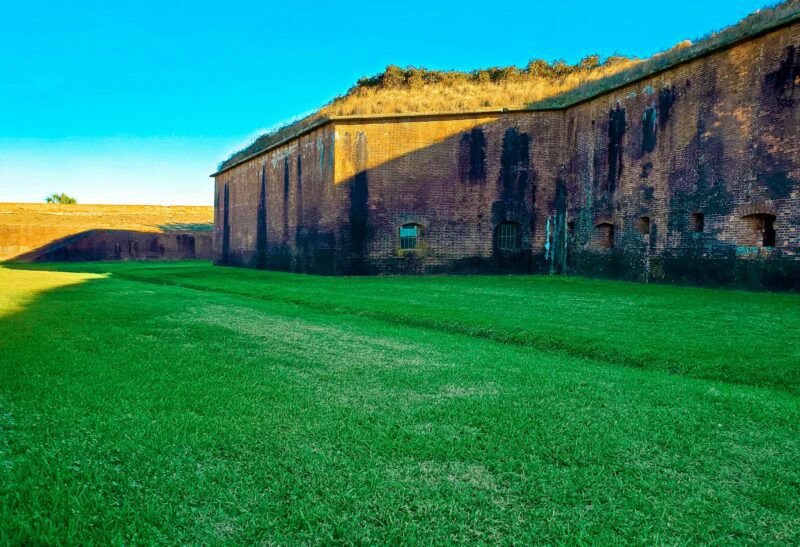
(136, 102)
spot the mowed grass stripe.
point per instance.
(732, 336)
(133, 412)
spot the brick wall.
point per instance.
(281, 209)
(614, 186)
(124, 245)
(718, 137)
(29, 231)
(458, 178)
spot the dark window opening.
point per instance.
(698, 222)
(760, 230)
(769, 234)
(643, 225)
(604, 235)
(571, 228)
(508, 236)
(410, 235)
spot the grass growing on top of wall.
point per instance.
(753, 24)
(418, 90)
(540, 84)
(145, 412)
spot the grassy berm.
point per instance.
(183, 403)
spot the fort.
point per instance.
(686, 171)
(43, 232)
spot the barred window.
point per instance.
(410, 235)
(508, 236)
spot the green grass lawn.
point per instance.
(278, 408)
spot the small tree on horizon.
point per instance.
(62, 198)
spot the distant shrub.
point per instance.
(62, 199)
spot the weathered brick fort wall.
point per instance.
(691, 174)
(36, 232)
(124, 245)
(687, 165)
(282, 210)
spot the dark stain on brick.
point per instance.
(306, 227)
(777, 183)
(666, 99)
(616, 133)
(514, 177)
(649, 129)
(783, 81)
(359, 220)
(226, 225)
(647, 168)
(514, 163)
(261, 222)
(775, 162)
(286, 201)
(299, 189)
(517, 182)
(359, 210)
(472, 156)
(653, 235)
(477, 155)
(464, 157)
(281, 256)
(559, 248)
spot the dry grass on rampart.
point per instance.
(538, 85)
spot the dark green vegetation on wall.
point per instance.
(181, 403)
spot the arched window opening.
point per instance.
(410, 236)
(604, 235)
(508, 236)
(759, 230)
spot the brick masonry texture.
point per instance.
(685, 176)
(40, 232)
(124, 245)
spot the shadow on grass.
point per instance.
(137, 421)
(22, 289)
(699, 333)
